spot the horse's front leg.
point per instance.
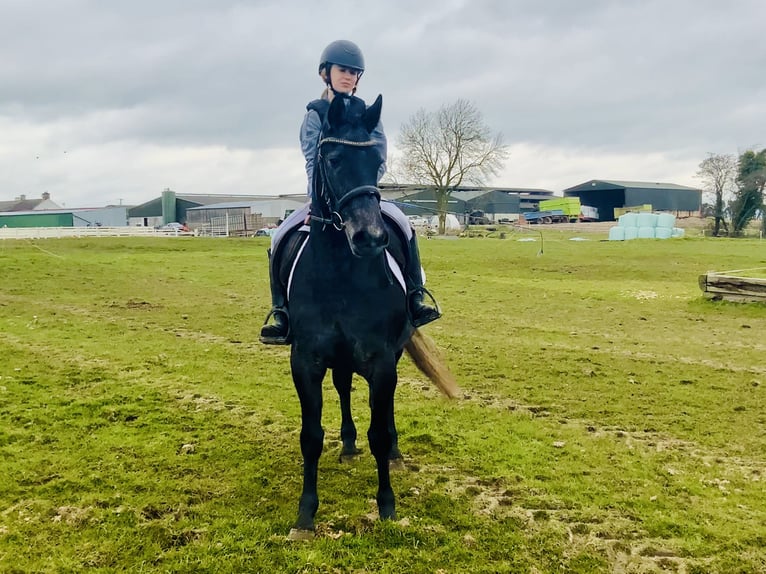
(341, 378)
(308, 376)
(382, 387)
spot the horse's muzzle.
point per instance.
(368, 241)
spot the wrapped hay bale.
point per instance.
(617, 233)
(628, 220)
(631, 232)
(666, 220)
(646, 220)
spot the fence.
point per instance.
(225, 222)
(60, 232)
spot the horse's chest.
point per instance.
(342, 284)
(357, 306)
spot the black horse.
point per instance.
(347, 311)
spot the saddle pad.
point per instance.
(392, 265)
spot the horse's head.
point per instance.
(348, 162)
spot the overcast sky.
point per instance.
(107, 102)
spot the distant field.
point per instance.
(612, 419)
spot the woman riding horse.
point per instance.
(340, 66)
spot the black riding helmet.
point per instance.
(341, 53)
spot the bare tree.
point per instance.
(718, 173)
(446, 148)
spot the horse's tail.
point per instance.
(426, 356)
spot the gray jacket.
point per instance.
(310, 130)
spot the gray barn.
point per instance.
(606, 195)
(496, 203)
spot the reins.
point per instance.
(327, 194)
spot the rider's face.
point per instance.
(343, 79)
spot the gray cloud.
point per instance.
(597, 78)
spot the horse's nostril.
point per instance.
(361, 238)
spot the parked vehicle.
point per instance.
(561, 210)
(174, 226)
(549, 216)
(478, 217)
(418, 221)
(265, 232)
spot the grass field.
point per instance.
(612, 420)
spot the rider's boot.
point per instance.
(278, 331)
(420, 312)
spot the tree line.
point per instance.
(736, 187)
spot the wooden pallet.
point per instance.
(718, 286)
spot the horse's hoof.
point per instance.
(396, 464)
(348, 458)
(350, 454)
(388, 514)
(300, 534)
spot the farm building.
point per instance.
(241, 217)
(23, 212)
(172, 206)
(79, 217)
(496, 203)
(608, 195)
(21, 203)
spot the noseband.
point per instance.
(328, 195)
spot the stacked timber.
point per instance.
(718, 286)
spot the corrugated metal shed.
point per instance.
(423, 203)
(606, 195)
(115, 216)
(36, 219)
(172, 206)
(496, 202)
(267, 207)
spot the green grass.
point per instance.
(612, 419)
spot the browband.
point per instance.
(346, 142)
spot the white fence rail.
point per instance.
(59, 232)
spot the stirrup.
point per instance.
(281, 339)
(437, 309)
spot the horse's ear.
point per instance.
(336, 113)
(372, 114)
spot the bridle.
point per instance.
(323, 191)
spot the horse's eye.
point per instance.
(334, 161)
